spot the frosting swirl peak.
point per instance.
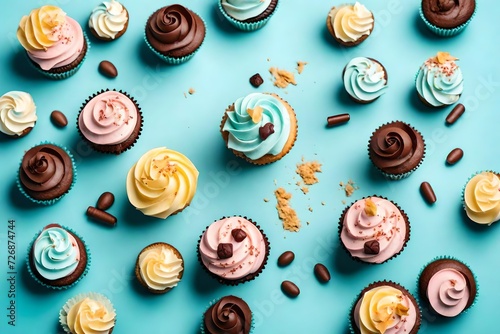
(17, 113)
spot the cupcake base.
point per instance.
(331, 30)
(253, 23)
(446, 32)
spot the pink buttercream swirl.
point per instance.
(448, 293)
(247, 254)
(108, 118)
(388, 227)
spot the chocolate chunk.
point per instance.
(101, 216)
(105, 200)
(238, 234)
(455, 113)
(108, 69)
(290, 289)
(256, 80)
(58, 118)
(454, 156)
(224, 250)
(337, 119)
(322, 273)
(286, 258)
(427, 192)
(266, 130)
(371, 247)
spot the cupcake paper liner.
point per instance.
(447, 257)
(246, 26)
(63, 313)
(446, 32)
(50, 201)
(341, 225)
(465, 185)
(202, 325)
(246, 278)
(62, 287)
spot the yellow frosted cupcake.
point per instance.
(350, 24)
(481, 198)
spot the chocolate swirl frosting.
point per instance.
(229, 315)
(448, 13)
(175, 31)
(396, 148)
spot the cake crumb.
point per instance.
(286, 213)
(266, 200)
(308, 170)
(349, 187)
(310, 209)
(300, 66)
(191, 91)
(282, 78)
(307, 223)
(322, 203)
(343, 201)
(304, 189)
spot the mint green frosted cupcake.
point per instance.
(449, 18)
(46, 174)
(229, 313)
(248, 15)
(175, 41)
(57, 257)
(365, 79)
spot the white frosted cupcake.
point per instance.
(17, 114)
(481, 198)
(350, 24)
(108, 21)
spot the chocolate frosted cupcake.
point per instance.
(47, 172)
(374, 230)
(227, 315)
(108, 21)
(17, 114)
(365, 79)
(350, 24)
(110, 121)
(175, 33)
(260, 128)
(481, 198)
(159, 267)
(233, 250)
(57, 257)
(448, 286)
(447, 17)
(396, 149)
(248, 15)
(385, 307)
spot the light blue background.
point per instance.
(228, 186)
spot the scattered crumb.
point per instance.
(349, 190)
(275, 182)
(185, 95)
(266, 200)
(322, 203)
(349, 187)
(343, 202)
(287, 214)
(282, 78)
(268, 59)
(304, 189)
(300, 66)
(307, 171)
(191, 91)
(310, 209)
(307, 223)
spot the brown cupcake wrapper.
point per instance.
(407, 235)
(118, 35)
(338, 40)
(246, 278)
(112, 148)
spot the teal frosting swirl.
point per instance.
(244, 133)
(439, 84)
(55, 256)
(244, 9)
(364, 79)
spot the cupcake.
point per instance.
(396, 149)
(448, 286)
(162, 183)
(260, 128)
(439, 81)
(350, 24)
(88, 313)
(481, 198)
(233, 250)
(229, 314)
(108, 21)
(175, 33)
(374, 230)
(159, 267)
(110, 121)
(57, 257)
(248, 15)
(55, 43)
(17, 114)
(47, 172)
(385, 307)
(447, 18)
(365, 79)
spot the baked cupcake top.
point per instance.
(17, 113)
(245, 10)
(90, 314)
(108, 19)
(373, 229)
(232, 248)
(258, 124)
(160, 266)
(50, 38)
(229, 315)
(448, 13)
(162, 182)
(439, 80)
(175, 31)
(350, 22)
(482, 198)
(364, 79)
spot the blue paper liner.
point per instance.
(63, 287)
(50, 201)
(246, 26)
(443, 32)
(463, 193)
(202, 325)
